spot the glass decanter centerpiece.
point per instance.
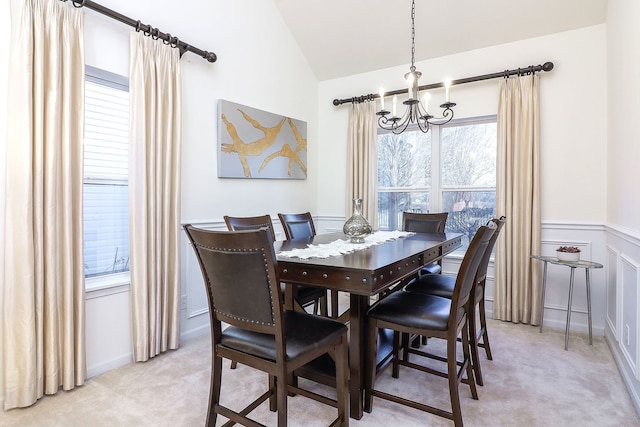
(357, 227)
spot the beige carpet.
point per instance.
(532, 381)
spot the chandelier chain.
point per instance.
(413, 36)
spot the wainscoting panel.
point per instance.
(591, 239)
(622, 331)
(196, 293)
(628, 338)
(613, 296)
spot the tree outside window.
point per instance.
(451, 168)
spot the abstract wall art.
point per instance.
(256, 144)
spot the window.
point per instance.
(105, 189)
(452, 168)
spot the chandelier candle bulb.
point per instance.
(381, 99)
(426, 102)
(447, 85)
(395, 102)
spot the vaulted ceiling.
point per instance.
(345, 37)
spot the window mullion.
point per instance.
(436, 191)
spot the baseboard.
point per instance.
(93, 371)
(195, 333)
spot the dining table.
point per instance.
(362, 274)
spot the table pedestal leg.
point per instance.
(357, 342)
(544, 288)
(589, 306)
(566, 333)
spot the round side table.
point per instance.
(587, 265)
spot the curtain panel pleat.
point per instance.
(362, 161)
(517, 280)
(43, 281)
(154, 195)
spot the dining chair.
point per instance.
(243, 289)
(301, 226)
(305, 295)
(444, 286)
(297, 226)
(426, 223)
(435, 317)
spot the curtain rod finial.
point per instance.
(547, 66)
(210, 56)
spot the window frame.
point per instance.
(436, 190)
(116, 282)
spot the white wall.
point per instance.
(623, 200)
(623, 110)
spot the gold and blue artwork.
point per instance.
(257, 144)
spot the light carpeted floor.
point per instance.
(532, 381)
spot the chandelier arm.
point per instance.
(447, 116)
(394, 123)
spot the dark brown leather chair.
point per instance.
(305, 295)
(443, 286)
(426, 223)
(243, 289)
(300, 226)
(432, 316)
(297, 226)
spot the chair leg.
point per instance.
(452, 376)
(406, 338)
(483, 329)
(396, 354)
(342, 381)
(334, 304)
(467, 359)
(214, 393)
(281, 396)
(473, 344)
(273, 399)
(324, 310)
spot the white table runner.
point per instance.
(339, 247)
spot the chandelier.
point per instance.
(416, 112)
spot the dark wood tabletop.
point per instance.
(367, 271)
(362, 274)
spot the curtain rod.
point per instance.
(148, 30)
(547, 66)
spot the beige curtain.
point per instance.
(517, 286)
(154, 196)
(362, 161)
(43, 282)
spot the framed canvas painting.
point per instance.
(256, 144)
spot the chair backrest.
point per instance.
(240, 275)
(424, 222)
(467, 272)
(481, 275)
(236, 223)
(297, 226)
